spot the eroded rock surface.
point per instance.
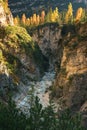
(71, 82)
(48, 38)
(5, 15)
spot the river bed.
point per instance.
(39, 88)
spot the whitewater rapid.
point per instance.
(39, 88)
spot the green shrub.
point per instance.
(38, 118)
(18, 33)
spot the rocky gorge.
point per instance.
(66, 48)
(50, 55)
(71, 82)
(19, 60)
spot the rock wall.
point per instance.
(48, 37)
(5, 15)
(21, 60)
(71, 82)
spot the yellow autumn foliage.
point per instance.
(69, 14)
(79, 14)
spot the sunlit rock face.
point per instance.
(71, 81)
(21, 60)
(5, 15)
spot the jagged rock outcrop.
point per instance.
(5, 14)
(21, 60)
(71, 82)
(48, 36)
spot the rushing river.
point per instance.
(38, 88)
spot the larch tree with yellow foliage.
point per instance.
(56, 14)
(23, 19)
(84, 15)
(31, 20)
(34, 19)
(69, 14)
(79, 14)
(52, 17)
(42, 16)
(15, 21)
(38, 19)
(27, 22)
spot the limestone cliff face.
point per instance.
(21, 60)
(47, 36)
(5, 14)
(71, 81)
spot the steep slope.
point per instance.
(48, 36)
(5, 14)
(71, 82)
(21, 61)
(20, 58)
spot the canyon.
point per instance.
(49, 57)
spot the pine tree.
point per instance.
(62, 17)
(49, 15)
